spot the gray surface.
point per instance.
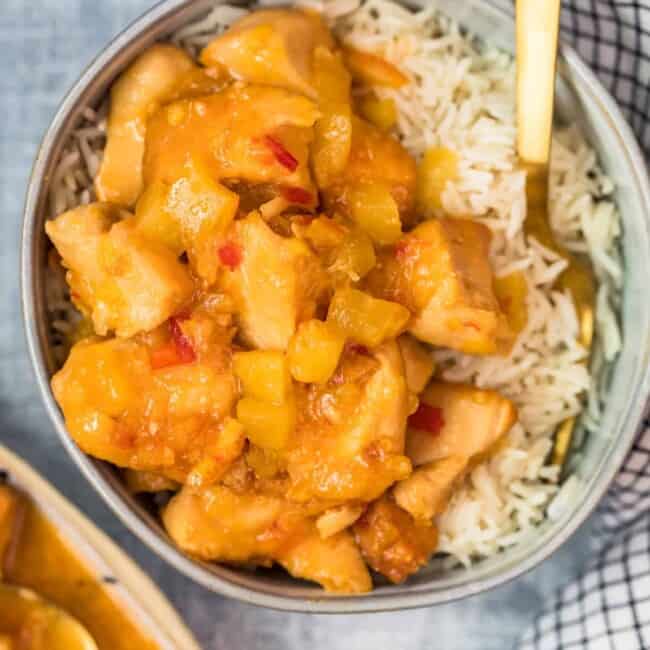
(44, 44)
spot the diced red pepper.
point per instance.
(427, 418)
(230, 255)
(297, 195)
(184, 347)
(177, 351)
(283, 156)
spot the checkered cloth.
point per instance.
(608, 606)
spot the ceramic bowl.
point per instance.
(580, 98)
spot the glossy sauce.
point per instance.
(45, 564)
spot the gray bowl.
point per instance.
(581, 98)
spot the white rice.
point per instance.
(462, 97)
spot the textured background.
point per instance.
(44, 44)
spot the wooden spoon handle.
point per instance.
(537, 34)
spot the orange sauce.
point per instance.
(43, 562)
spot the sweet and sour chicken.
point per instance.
(263, 284)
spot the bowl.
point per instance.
(122, 579)
(580, 98)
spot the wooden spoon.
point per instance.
(537, 42)
(38, 624)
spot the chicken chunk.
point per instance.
(349, 440)
(334, 520)
(254, 134)
(442, 272)
(375, 158)
(473, 421)
(427, 491)
(189, 215)
(237, 527)
(12, 511)
(334, 562)
(162, 73)
(418, 363)
(126, 283)
(273, 47)
(333, 130)
(219, 524)
(127, 402)
(392, 542)
(278, 284)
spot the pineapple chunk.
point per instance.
(365, 319)
(333, 131)
(511, 292)
(426, 493)
(264, 375)
(347, 251)
(128, 284)
(155, 221)
(418, 363)
(373, 70)
(381, 113)
(438, 166)
(271, 46)
(355, 257)
(473, 422)
(278, 284)
(267, 425)
(376, 158)
(191, 214)
(444, 275)
(374, 210)
(324, 234)
(159, 75)
(392, 542)
(314, 351)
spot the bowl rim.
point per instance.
(608, 465)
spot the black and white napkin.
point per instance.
(607, 607)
